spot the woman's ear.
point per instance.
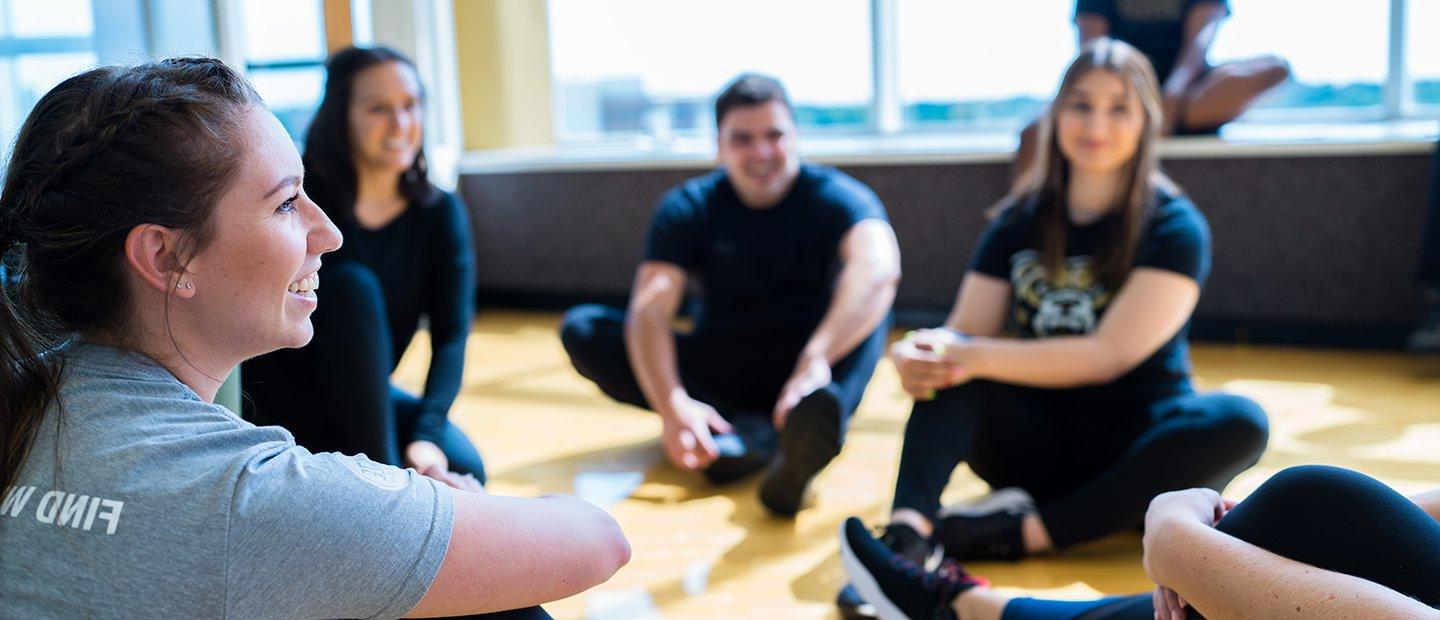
(153, 252)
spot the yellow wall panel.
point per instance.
(504, 63)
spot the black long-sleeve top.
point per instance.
(424, 262)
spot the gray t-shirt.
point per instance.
(166, 506)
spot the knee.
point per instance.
(577, 328)
(1275, 71)
(1242, 425)
(354, 287)
(1307, 484)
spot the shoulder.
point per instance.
(692, 196)
(1014, 215)
(1174, 214)
(109, 379)
(829, 182)
(441, 205)
(832, 188)
(139, 415)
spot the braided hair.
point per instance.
(101, 153)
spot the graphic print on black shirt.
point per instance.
(1045, 306)
(1175, 238)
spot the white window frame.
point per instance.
(887, 110)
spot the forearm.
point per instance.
(450, 313)
(509, 553)
(863, 295)
(1225, 577)
(1060, 362)
(650, 345)
(442, 385)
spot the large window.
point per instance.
(980, 70)
(1337, 50)
(285, 56)
(41, 43)
(1423, 54)
(627, 68)
(649, 68)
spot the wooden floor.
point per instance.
(706, 552)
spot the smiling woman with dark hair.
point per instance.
(407, 256)
(164, 236)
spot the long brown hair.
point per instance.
(101, 153)
(330, 176)
(1044, 185)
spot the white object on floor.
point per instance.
(632, 604)
(606, 488)
(697, 577)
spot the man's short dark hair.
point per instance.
(751, 89)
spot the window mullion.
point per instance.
(1397, 99)
(885, 110)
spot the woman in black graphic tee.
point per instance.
(1093, 265)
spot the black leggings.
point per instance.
(741, 380)
(1092, 466)
(1332, 518)
(334, 394)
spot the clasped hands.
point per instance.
(1194, 505)
(929, 360)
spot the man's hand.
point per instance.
(687, 436)
(924, 361)
(812, 372)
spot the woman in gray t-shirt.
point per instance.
(164, 238)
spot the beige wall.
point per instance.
(504, 62)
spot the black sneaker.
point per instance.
(901, 540)
(987, 529)
(810, 440)
(899, 588)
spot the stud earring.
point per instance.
(188, 286)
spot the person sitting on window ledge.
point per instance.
(1175, 35)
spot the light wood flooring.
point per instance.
(706, 552)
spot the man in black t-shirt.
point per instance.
(1176, 35)
(795, 267)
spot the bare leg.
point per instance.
(1032, 529)
(1036, 537)
(1229, 89)
(980, 603)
